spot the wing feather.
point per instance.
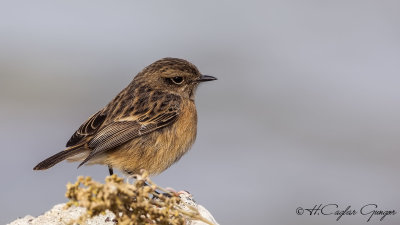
(125, 129)
(87, 128)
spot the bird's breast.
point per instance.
(158, 150)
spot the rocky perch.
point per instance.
(120, 203)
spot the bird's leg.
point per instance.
(132, 175)
(157, 194)
(110, 170)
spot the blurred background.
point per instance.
(306, 109)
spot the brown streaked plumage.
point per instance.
(149, 125)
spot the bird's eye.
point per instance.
(177, 80)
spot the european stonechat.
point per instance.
(149, 125)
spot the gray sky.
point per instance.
(306, 109)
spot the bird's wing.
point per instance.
(87, 128)
(128, 128)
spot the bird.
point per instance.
(149, 125)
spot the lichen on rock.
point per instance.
(117, 202)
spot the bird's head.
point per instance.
(174, 75)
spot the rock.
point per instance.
(58, 215)
(187, 198)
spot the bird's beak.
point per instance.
(204, 78)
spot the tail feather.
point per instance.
(53, 160)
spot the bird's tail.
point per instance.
(53, 160)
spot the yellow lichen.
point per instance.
(137, 203)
